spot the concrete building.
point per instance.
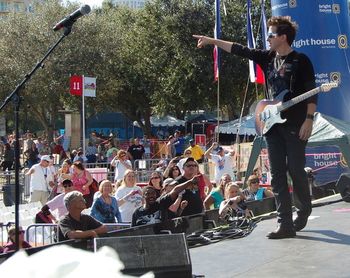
(18, 6)
(135, 4)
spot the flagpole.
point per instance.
(216, 51)
(218, 108)
(83, 115)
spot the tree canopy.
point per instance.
(146, 61)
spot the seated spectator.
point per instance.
(216, 196)
(172, 170)
(11, 245)
(254, 191)
(234, 204)
(105, 209)
(175, 210)
(121, 163)
(128, 195)
(192, 193)
(57, 203)
(156, 210)
(76, 225)
(180, 164)
(156, 181)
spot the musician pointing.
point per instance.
(285, 69)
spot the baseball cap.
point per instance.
(46, 158)
(191, 141)
(169, 181)
(188, 160)
(219, 149)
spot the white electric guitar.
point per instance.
(268, 112)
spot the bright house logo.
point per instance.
(323, 43)
(335, 77)
(343, 41)
(329, 8)
(292, 3)
(280, 6)
(336, 8)
(324, 77)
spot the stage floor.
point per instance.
(322, 249)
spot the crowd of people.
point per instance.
(176, 187)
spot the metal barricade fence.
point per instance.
(3, 232)
(7, 184)
(45, 234)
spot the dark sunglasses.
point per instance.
(155, 178)
(271, 35)
(254, 181)
(191, 165)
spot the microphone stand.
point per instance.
(15, 97)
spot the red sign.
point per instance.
(76, 85)
(200, 140)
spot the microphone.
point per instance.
(69, 20)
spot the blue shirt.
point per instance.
(106, 213)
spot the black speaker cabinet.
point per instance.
(165, 255)
(343, 185)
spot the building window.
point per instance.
(4, 7)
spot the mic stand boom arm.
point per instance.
(14, 96)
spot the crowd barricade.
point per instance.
(145, 164)
(7, 184)
(98, 174)
(45, 234)
(3, 232)
(98, 165)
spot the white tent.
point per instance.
(244, 127)
(165, 121)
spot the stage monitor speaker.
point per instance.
(343, 185)
(166, 255)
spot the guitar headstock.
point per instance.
(326, 87)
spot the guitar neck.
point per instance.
(293, 101)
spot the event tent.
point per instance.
(326, 131)
(165, 121)
(245, 126)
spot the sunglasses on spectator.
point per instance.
(191, 165)
(188, 153)
(254, 181)
(155, 178)
(271, 35)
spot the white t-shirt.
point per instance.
(57, 203)
(223, 165)
(132, 202)
(120, 169)
(40, 178)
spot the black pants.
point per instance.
(287, 153)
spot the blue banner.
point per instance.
(327, 163)
(323, 34)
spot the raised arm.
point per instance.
(208, 151)
(203, 41)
